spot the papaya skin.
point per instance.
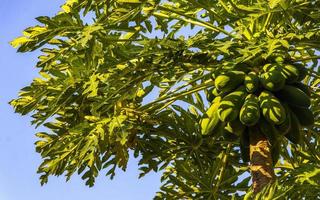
(272, 80)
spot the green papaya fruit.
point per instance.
(268, 130)
(294, 134)
(270, 67)
(231, 104)
(305, 88)
(229, 81)
(245, 146)
(290, 72)
(251, 82)
(272, 80)
(235, 127)
(294, 96)
(222, 81)
(286, 125)
(250, 111)
(271, 108)
(215, 92)
(279, 60)
(304, 115)
(210, 119)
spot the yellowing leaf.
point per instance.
(20, 41)
(91, 118)
(67, 7)
(129, 35)
(34, 31)
(274, 3)
(87, 33)
(140, 92)
(71, 2)
(129, 1)
(285, 43)
(121, 66)
(91, 87)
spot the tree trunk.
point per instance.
(260, 161)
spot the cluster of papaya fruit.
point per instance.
(271, 99)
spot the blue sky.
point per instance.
(19, 161)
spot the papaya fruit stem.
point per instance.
(261, 166)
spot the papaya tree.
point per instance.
(221, 97)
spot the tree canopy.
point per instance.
(125, 76)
